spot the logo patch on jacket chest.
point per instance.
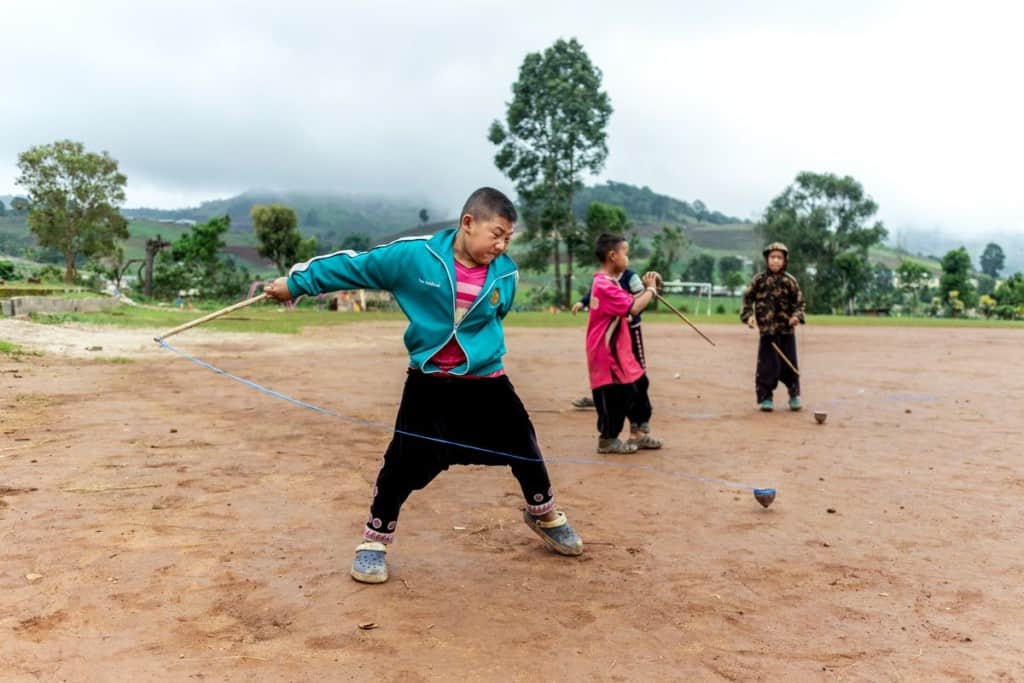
(495, 297)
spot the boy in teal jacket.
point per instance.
(458, 406)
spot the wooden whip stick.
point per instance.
(216, 314)
(686, 320)
(785, 358)
(775, 346)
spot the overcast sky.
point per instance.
(717, 100)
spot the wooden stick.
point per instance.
(686, 320)
(216, 314)
(783, 357)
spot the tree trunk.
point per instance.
(568, 275)
(558, 269)
(153, 246)
(568, 246)
(69, 267)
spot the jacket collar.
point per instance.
(443, 244)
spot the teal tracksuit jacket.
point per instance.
(420, 273)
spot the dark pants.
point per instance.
(482, 413)
(641, 408)
(771, 369)
(615, 402)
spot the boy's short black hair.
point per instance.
(606, 244)
(486, 203)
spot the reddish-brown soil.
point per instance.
(159, 522)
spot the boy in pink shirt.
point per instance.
(613, 367)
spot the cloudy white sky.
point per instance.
(714, 99)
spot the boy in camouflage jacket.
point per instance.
(773, 301)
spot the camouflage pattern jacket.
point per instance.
(775, 297)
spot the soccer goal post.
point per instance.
(701, 289)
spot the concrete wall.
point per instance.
(23, 305)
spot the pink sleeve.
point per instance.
(615, 301)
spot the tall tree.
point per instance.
(819, 217)
(196, 261)
(601, 218)
(701, 268)
(278, 235)
(992, 260)
(554, 132)
(728, 265)
(424, 216)
(913, 277)
(666, 246)
(19, 204)
(956, 277)
(74, 197)
(855, 275)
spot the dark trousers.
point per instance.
(641, 408)
(771, 369)
(615, 402)
(454, 413)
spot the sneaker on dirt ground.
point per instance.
(585, 402)
(794, 403)
(369, 565)
(646, 442)
(766, 406)
(615, 446)
(557, 534)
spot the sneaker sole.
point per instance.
(368, 578)
(553, 544)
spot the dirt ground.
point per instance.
(160, 522)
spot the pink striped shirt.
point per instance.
(468, 284)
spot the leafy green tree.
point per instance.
(424, 216)
(956, 277)
(74, 197)
(728, 265)
(701, 268)
(855, 275)
(987, 305)
(913, 278)
(1010, 291)
(992, 260)
(700, 209)
(819, 217)
(881, 287)
(986, 284)
(554, 132)
(277, 234)
(196, 261)
(20, 205)
(601, 218)
(6, 270)
(734, 281)
(666, 247)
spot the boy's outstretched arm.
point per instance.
(377, 268)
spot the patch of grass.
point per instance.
(9, 348)
(14, 351)
(275, 319)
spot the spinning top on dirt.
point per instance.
(820, 416)
(764, 496)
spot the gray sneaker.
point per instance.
(615, 447)
(369, 565)
(559, 535)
